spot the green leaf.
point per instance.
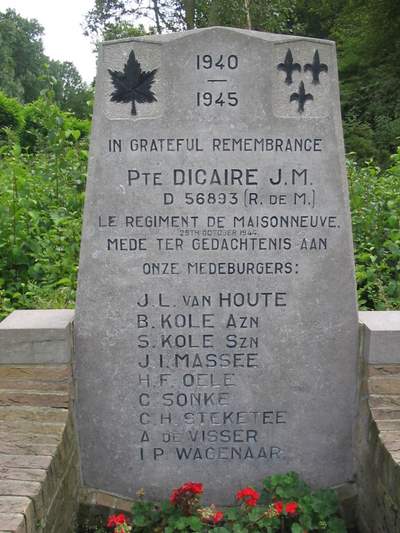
(181, 523)
(64, 281)
(232, 513)
(139, 520)
(195, 523)
(336, 525)
(239, 529)
(296, 528)
(255, 514)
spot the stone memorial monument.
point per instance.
(216, 328)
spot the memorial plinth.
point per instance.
(216, 327)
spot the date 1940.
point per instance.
(219, 62)
(207, 61)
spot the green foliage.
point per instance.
(11, 114)
(375, 206)
(288, 486)
(359, 139)
(148, 518)
(44, 122)
(41, 200)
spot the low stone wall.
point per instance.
(39, 464)
(378, 446)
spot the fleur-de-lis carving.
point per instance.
(316, 67)
(301, 97)
(289, 67)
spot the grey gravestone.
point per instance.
(216, 329)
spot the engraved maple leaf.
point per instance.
(133, 84)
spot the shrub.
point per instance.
(44, 120)
(375, 206)
(41, 201)
(11, 114)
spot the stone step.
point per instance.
(388, 425)
(384, 370)
(15, 504)
(385, 413)
(29, 438)
(37, 414)
(384, 385)
(23, 474)
(36, 386)
(384, 400)
(13, 522)
(33, 398)
(391, 439)
(24, 461)
(37, 428)
(26, 373)
(21, 448)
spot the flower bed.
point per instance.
(285, 504)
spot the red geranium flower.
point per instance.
(218, 517)
(116, 519)
(249, 496)
(174, 496)
(278, 506)
(186, 489)
(194, 488)
(291, 508)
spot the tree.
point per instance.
(318, 18)
(367, 33)
(176, 15)
(70, 92)
(108, 14)
(21, 56)
(26, 71)
(123, 30)
(276, 16)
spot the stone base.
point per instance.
(39, 464)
